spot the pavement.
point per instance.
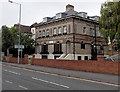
(21, 78)
(107, 78)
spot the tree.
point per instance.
(110, 22)
(7, 39)
(10, 38)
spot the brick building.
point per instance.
(69, 35)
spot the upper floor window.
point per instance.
(47, 32)
(82, 45)
(59, 30)
(64, 30)
(91, 31)
(54, 31)
(43, 33)
(84, 30)
(40, 33)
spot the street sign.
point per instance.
(20, 46)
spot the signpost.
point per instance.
(20, 48)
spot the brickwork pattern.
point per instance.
(88, 66)
(107, 67)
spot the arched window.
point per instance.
(39, 33)
(57, 48)
(82, 45)
(44, 49)
(47, 32)
(54, 31)
(84, 30)
(43, 33)
(59, 30)
(64, 30)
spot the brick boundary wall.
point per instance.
(88, 66)
(107, 67)
(11, 59)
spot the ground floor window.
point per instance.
(44, 56)
(79, 57)
(86, 58)
(57, 48)
(44, 49)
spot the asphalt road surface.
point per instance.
(14, 78)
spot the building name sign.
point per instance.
(50, 41)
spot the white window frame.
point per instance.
(59, 30)
(54, 31)
(64, 29)
(40, 33)
(47, 32)
(43, 33)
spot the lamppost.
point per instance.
(19, 29)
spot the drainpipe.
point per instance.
(95, 48)
(73, 40)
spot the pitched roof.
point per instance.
(24, 28)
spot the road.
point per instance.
(16, 78)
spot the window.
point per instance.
(64, 30)
(79, 57)
(84, 30)
(55, 31)
(101, 47)
(47, 32)
(91, 32)
(59, 30)
(82, 45)
(57, 48)
(39, 33)
(44, 49)
(43, 33)
(86, 58)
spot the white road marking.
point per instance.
(94, 81)
(22, 87)
(50, 82)
(8, 81)
(12, 72)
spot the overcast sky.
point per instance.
(34, 10)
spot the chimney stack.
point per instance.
(69, 7)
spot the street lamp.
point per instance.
(19, 29)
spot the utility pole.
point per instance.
(19, 29)
(73, 40)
